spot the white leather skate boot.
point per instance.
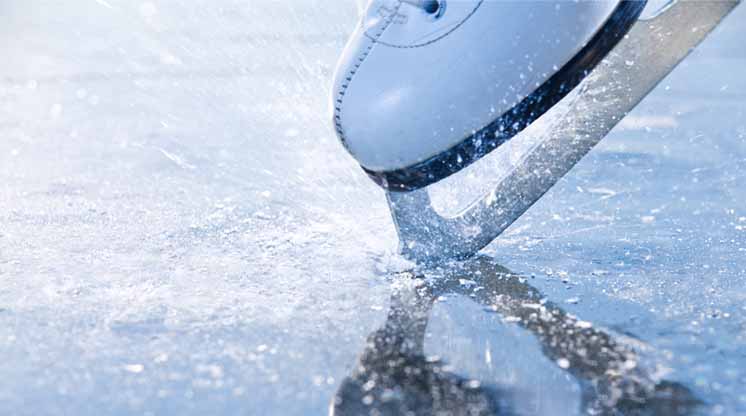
(426, 87)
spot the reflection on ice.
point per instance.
(394, 376)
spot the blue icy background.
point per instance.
(180, 232)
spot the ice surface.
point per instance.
(180, 232)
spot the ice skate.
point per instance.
(426, 88)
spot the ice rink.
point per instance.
(181, 233)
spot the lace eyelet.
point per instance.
(434, 8)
